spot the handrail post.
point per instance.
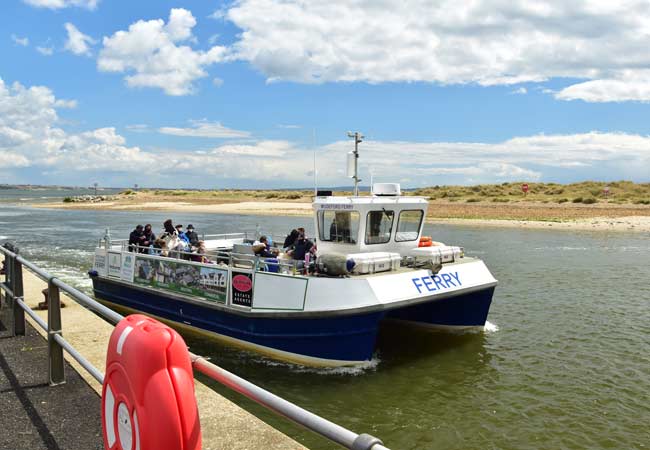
(56, 371)
(17, 289)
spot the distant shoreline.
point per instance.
(600, 217)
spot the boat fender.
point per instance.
(365, 442)
(148, 400)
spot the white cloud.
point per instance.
(520, 91)
(31, 137)
(20, 41)
(68, 104)
(627, 86)
(486, 42)
(263, 149)
(205, 129)
(46, 51)
(77, 42)
(154, 55)
(138, 128)
(58, 4)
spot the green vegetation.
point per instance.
(586, 192)
(67, 200)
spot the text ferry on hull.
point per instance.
(372, 264)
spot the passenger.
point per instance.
(136, 239)
(290, 239)
(150, 237)
(159, 248)
(301, 248)
(334, 231)
(168, 228)
(262, 249)
(181, 234)
(200, 256)
(192, 236)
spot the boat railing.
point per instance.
(225, 257)
(14, 294)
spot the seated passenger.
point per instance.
(149, 236)
(169, 229)
(159, 248)
(301, 248)
(262, 249)
(181, 234)
(199, 256)
(192, 237)
(136, 239)
(290, 239)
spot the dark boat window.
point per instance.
(379, 225)
(338, 226)
(408, 225)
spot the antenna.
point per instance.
(313, 144)
(358, 138)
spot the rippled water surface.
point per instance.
(565, 363)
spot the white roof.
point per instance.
(376, 201)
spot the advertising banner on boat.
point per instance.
(210, 283)
(242, 288)
(128, 267)
(100, 263)
(114, 264)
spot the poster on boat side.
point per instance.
(128, 266)
(100, 263)
(209, 283)
(242, 288)
(114, 264)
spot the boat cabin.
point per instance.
(382, 222)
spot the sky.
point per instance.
(249, 93)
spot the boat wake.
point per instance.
(346, 370)
(490, 327)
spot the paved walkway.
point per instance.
(33, 415)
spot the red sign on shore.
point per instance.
(524, 187)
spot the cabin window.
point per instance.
(408, 225)
(338, 226)
(379, 225)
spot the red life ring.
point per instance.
(148, 400)
(425, 241)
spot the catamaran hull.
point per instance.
(330, 340)
(468, 311)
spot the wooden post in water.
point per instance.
(56, 374)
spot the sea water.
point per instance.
(564, 361)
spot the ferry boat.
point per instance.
(372, 265)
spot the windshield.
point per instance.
(338, 226)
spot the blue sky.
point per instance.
(240, 94)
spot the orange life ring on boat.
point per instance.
(148, 397)
(425, 241)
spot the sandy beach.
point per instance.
(626, 218)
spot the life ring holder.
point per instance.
(148, 399)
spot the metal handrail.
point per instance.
(309, 420)
(254, 261)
